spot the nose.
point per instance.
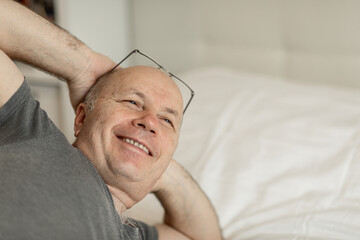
(147, 122)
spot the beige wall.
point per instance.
(308, 40)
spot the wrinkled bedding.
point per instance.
(278, 159)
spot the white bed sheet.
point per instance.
(278, 159)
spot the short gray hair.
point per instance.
(94, 91)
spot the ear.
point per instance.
(79, 118)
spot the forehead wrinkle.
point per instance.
(124, 92)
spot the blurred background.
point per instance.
(316, 42)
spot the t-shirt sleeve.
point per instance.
(135, 229)
(147, 232)
(14, 101)
(21, 118)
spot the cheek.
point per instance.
(169, 140)
(174, 143)
(97, 126)
(104, 117)
(169, 146)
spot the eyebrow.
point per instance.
(143, 96)
(172, 111)
(137, 92)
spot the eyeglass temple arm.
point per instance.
(192, 92)
(132, 52)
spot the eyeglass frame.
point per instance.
(159, 67)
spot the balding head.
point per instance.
(131, 129)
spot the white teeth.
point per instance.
(136, 144)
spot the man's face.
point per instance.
(133, 130)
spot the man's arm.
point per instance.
(188, 212)
(27, 37)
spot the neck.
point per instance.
(121, 200)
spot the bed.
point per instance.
(279, 160)
(273, 133)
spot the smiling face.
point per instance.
(133, 130)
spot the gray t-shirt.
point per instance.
(48, 188)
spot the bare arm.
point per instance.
(188, 212)
(27, 37)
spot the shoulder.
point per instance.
(21, 118)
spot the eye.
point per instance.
(133, 104)
(168, 122)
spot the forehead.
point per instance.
(149, 82)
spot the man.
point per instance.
(127, 130)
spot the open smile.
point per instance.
(136, 144)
